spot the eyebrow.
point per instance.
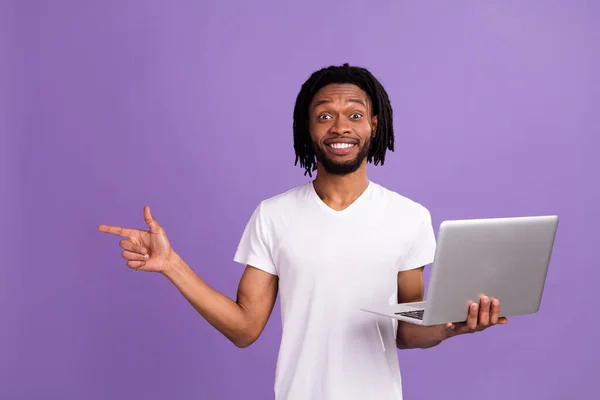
(325, 101)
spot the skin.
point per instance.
(337, 111)
(241, 321)
(341, 111)
(480, 316)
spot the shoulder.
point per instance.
(400, 205)
(282, 202)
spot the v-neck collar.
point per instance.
(346, 210)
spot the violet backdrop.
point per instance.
(187, 106)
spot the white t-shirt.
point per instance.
(330, 264)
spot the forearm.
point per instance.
(411, 336)
(223, 313)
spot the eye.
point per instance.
(355, 116)
(324, 116)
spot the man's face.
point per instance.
(341, 127)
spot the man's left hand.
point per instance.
(481, 316)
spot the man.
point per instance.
(328, 247)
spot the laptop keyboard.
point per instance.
(416, 314)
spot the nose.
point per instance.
(340, 127)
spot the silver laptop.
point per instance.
(503, 258)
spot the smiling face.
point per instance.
(341, 127)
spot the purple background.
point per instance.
(187, 106)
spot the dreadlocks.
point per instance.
(382, 108)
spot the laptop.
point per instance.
(503, 258)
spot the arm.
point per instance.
(410, 289)
(241, 321)
(479, 316)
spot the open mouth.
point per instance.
(340, 148)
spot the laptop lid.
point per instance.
(504, 258)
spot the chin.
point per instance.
(340, 168)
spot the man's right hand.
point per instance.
(144, 250)
(241, 321)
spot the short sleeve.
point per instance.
(422, 250)
(254, 246)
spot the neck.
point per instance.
(339, 191)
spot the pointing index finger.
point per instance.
(116, 230)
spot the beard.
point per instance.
(345, 167)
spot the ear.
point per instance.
(374, 125)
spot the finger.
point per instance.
(133, 247)
(136, 264)
(150, 221)
(130, 256)
(502, 320)
(116, 230)
(484, 311)
(495, 311)
(472, 318)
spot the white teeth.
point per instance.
(341, 145)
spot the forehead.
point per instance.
(340, 92)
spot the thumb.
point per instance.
(150, 221)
